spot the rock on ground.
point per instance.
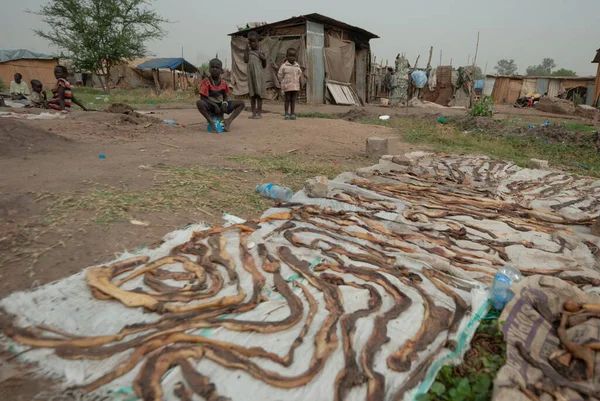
(555, 105)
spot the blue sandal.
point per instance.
(293, 117)
(286, 117)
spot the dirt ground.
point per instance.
(42, 159)
(48, 161)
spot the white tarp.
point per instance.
(427, 227)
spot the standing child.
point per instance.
(256, 61)
(289, 77)
(62, 96)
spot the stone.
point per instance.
(376, 147)
(379, 147)
(555, 105)
(596, 227)
(317, 187)
(402, 161)
(586, 111)
(539, 163)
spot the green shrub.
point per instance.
(483, 108)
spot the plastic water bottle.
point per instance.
(275, 192)
(500, 293)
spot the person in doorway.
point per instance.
(62, 95)
(38, 95)
(289, 76)
(214, 100)
(19, 89)
(257, 62)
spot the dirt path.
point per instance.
(65, 166)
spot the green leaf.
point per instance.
(424, 397)
(438, 388)
(464, 388)
(482, 384)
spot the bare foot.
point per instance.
(226, 125)
(214, 128)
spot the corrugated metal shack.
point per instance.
(336, 57)
(509, 88)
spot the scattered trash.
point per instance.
(292, 150)
(385, 117)
(219, 123)
(139, 223)
(531, 126)
(275, 192)
(101, 156)
(170, 122)
(547, 123)
(230, 220)
(500, 293)
(145, 167)
(442, 120)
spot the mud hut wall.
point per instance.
(42, 70)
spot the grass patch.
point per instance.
(96, 98)
(577, 126)
(293, 169)
(377, 121)
(473, 379)
(315, 114)
(179, 189)
(446, 138)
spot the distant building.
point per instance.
(336, 57)
(30, 64)
(508, 88)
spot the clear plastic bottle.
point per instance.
(500, 293)
(275, 192)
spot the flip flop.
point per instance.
(293, 117)
(286, 117)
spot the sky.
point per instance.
(525, 30)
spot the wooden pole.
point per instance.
(485, 69)
(468, 58)
(416, 62)
(476, 50)
(451, 62)
(430, 54)
(440, 58)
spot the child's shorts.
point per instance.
(212, 107)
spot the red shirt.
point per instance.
(216, 93)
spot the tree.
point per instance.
(563, 72)
(478, 73)
(506, 67)
(97, 35)
(543, 70)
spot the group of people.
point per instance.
(62, 95)
(214, 100)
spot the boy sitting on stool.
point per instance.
(213, 97)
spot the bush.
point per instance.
(1, 85)
(483, 108)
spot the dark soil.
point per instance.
(470, 123)
(17, 138)
(120, 108)
(130, 116)
(551, 134)
(356, 114)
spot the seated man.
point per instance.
(214, 97)
(19, 89)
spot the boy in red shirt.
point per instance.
(214, 97)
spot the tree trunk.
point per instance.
(106, 74)
(101, 76)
